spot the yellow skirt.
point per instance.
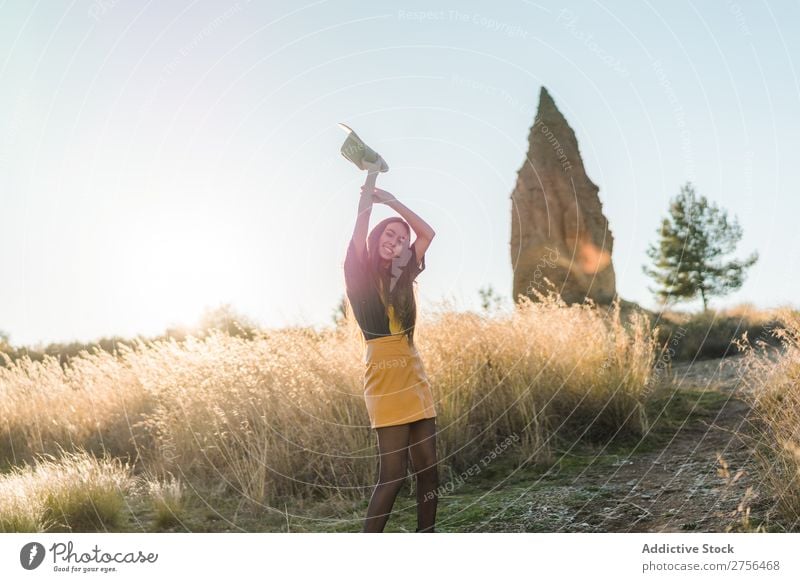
(396, 388)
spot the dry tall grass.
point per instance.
(90, 403)
(714, 333)
(73, 492)
(773, 383)
(543, 369)
(282, 414)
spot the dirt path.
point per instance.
(701, 479)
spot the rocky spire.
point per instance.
(558, 230)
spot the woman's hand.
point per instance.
(372, 167)
(368, 191)
(380, 196)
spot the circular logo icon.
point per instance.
(31, 555)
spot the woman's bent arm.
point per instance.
(422, 229)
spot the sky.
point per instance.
(161, 158)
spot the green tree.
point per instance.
(5, 341)
(340, 311)
(225, 318)
(688, 258)
(489, 299)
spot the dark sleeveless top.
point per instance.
(369, 310)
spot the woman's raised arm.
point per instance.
(364, 210)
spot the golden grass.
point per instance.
(745, 311)
(716, 333)
(774, 393)
(89, 404)
(167, 499)
(541, 368)
(751, 314)
(282, 414)
(76, 492)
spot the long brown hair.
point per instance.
(401, 297)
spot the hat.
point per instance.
(355, 150)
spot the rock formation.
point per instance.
(558, 230)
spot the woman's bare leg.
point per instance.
(393, 451)
(422, 437)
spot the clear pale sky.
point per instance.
(160, 157)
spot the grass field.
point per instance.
(270, 432)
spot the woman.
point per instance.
(379, 274)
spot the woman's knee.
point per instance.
(393, 473)
(428, 475)
(423, 456)
(391, 482)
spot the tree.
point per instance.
(489, 299)
(688, 258)
(5, 341)
(224, 318)
(340, 311)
